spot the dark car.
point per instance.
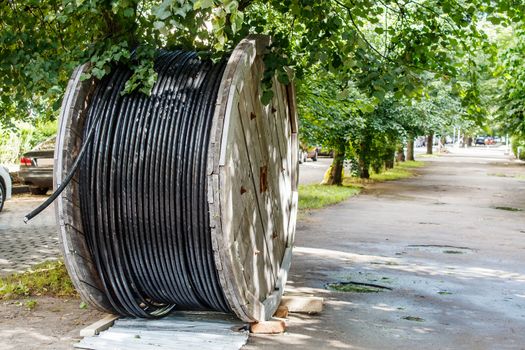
(480, 141)
(36, 167)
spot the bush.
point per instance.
(518, 141)
(47, 278)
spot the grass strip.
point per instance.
(44, 279)
(402, 170)
(320, 196)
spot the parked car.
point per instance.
(5, 186)
(312, 153)
(302, 156)
(420, 141)
(306, 152)
(480, 140)
(36, 167)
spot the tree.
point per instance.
(330, 113)
(380, 44)
(379, 50)
(511, 72)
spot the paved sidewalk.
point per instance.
(23, 245)
(446, 244)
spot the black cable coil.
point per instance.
(143, 190)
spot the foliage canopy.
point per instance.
(382, 44)
(369, 72)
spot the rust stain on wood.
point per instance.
(263, 178)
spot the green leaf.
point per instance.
(231, 6)
(159, 24)
(267, 97)
(202, 4)
(283, 78)
(129, 12)
(98, 73)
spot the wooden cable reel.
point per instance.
(252, 173)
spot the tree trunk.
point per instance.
(335, 177)
(400, 156)
(469, 141)
(442, 144)
(430, 142)
(364, 167)
(364, 158)
(410, 148)
(336, 169)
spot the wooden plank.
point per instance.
(303, 304)
(281, 312)
(229, 100)
(279, 176)
(292, 219)
(99, 326)
(255, 160)
(259, 249)
(268, 327)
(274, 300)
(273, 225)
(181, 330)
(234, 176)
(292, 105)
(216, 132)
(268, 141)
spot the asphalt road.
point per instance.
(312, 172)
(450, 245)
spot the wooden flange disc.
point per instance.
(77, 256)
(252, 184)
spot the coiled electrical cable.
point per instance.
(143, 188)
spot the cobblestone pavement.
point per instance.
(23, 245)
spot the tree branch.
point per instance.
(358, 30)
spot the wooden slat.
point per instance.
(76, 254)
(303, 304)
(99, 326)
(255, 160)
